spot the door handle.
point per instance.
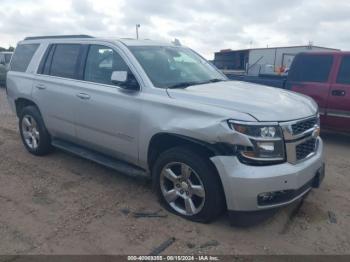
(338, 93)
(83, 96)
(40, 86)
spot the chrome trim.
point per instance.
(288, 131)
(251, 123)
(338, 113)
(287, 202)
(291, 150)
(263, 159)
(264, 139)
(292, 141)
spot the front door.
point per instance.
(107, 115)
(338, 112)
(311, 75)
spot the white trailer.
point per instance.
(267, 61)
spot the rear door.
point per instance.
(338, 111)
(55, 89)
(310, 74)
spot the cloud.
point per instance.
(204, 25)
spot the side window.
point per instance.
(344, 71)
(101, 62)
(22, 56)
(311, 68)
(64, 60)
(44, 66)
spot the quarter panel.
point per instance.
(19, 85)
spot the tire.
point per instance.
(203, 186)
(34, 134)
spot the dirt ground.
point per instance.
(62, 204)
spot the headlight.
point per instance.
(267, 141)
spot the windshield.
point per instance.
(170, 67)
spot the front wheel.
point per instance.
(188, 185)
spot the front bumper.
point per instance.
(243, 183)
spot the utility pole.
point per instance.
(137, 30)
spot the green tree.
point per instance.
(10, 49)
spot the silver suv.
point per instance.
(162, 111)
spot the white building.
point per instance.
(262, 61)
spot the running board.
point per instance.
(99, 158)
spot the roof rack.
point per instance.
(57, 37)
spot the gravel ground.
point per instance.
(62, 204)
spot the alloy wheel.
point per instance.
(182, 188)
(30, 132)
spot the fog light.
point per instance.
(266, 196)
(271, 198)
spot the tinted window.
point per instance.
(44, 66)
(101, 62)
(344, 71)
(311, 68)
(22, 56)
(64, 60)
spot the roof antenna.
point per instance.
(176, 42)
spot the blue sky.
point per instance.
(204, 25)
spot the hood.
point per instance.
(262, 102)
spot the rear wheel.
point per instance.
(34, 135)
(188, 185)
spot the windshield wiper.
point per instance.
(215, 80)
(187, 84)
(184, 85)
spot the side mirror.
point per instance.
(119, 77)
(125, 80)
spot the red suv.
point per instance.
(326, 78)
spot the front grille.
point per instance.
(306, 148)
(302, 126)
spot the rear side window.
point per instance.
(311, 68)
(64, 60)
(344, 71)
(22, 56)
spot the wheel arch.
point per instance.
(22, 103)
(163, 141)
